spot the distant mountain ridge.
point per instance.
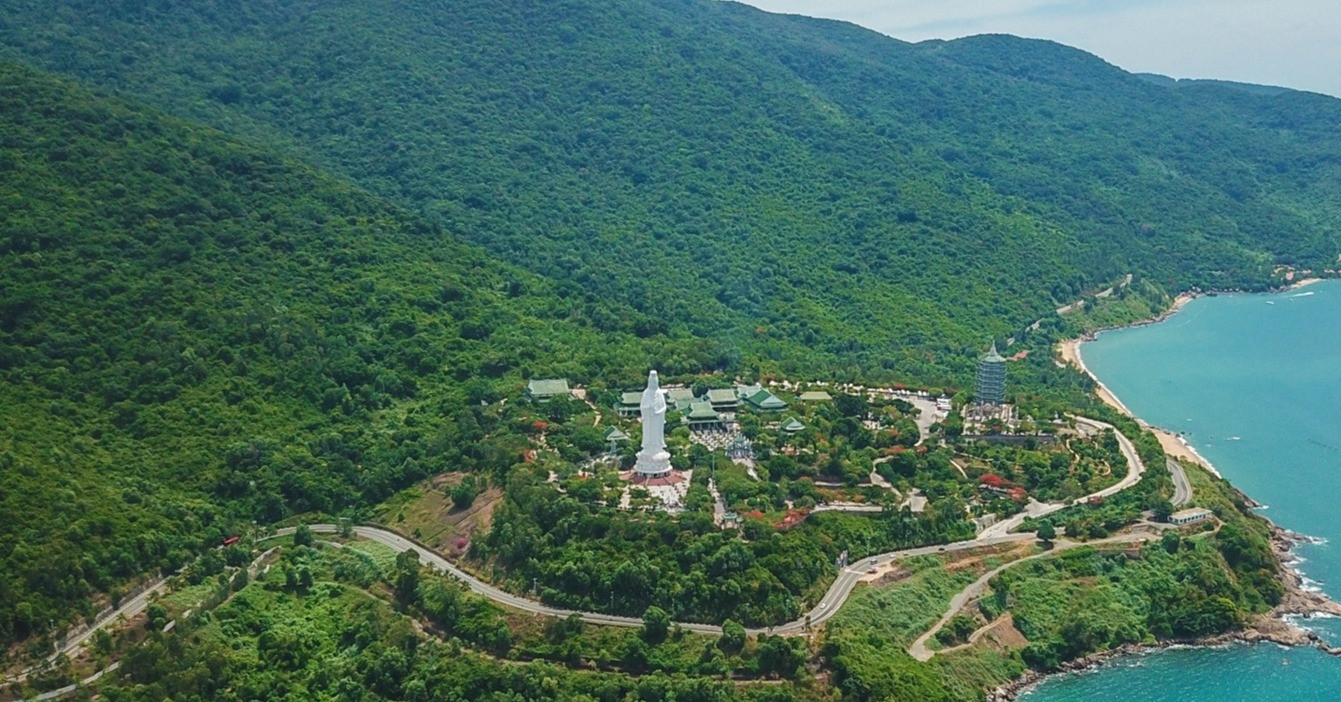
(808, 192)
(1254, 88)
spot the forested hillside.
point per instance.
(195, 334)
(810, 193)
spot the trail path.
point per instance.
(828, 605)
(127, 610)
(977, 588)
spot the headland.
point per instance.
(1282, 625)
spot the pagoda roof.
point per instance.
(748, 391)
(702, 411)
(616, 435)
(793, 425)
(679, 394)
(767, 400)
(722, 395)
(993, 356)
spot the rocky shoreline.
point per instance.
(1272, 627)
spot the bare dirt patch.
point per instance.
(1002, 634)
(431, 518)
(895, 574)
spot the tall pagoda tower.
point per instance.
(991, 388)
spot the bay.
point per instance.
(1253, 382)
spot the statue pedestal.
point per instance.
(655, 465)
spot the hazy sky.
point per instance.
(1293, 43)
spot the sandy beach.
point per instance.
(1280, 625)
(1174, 445)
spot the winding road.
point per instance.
(977, 588)
(833, 599)
(828, 605)
(1135, 470)
(1182, 489)
(129, 608)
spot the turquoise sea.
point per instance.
(1254, 383)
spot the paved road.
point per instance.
(833, 599)
(434, 560)
(1182, 489)
(1135, 470)
(63, 691)
(825, 608)
(842, 585)
(128, 609)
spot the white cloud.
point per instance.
(1284, 42)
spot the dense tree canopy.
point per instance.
(195, 334)
(410, 208)
(814, 195)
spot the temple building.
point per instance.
(765, 401)
(991, 387)
(680, 397)
(653, 459)
(724, 400)
(629, 404)
(701, 415)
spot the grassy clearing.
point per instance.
(900, 612)
(383, 556)
(185, 598)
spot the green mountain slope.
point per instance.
(195, 334)
(808, 192)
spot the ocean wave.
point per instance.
(1300, 621)
(1310, 540)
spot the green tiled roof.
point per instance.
(548, 387)
(748, 391)
(767, 400)
(793, 425)
(816, 396)
(722, 396)
(703, 412)
(679, 394)
(631, 398)
(616, 435)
